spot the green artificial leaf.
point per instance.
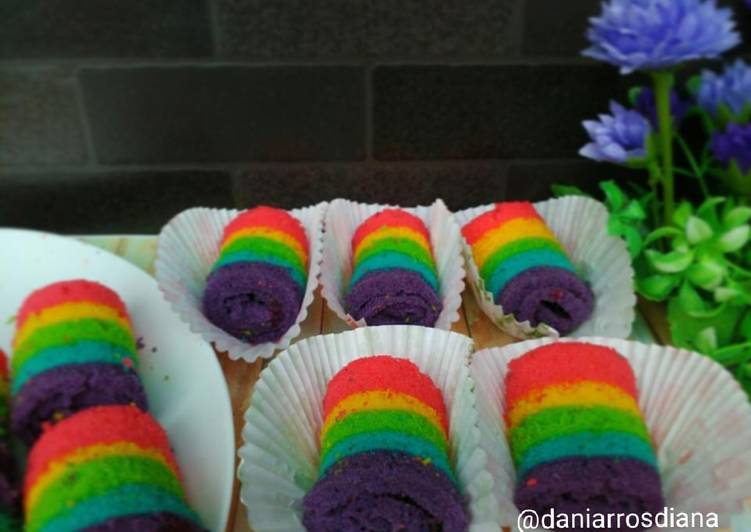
(633, 240)
(734, 239)
(706, 340)
(671, 262)
(733, 354)
(628, 232)
(707, 211)
(691, 302)
(633, 212)
(697, 230)
(744, 329)
(680, 243)
(706, 273)
(729, 294)
(736, 216)
(614, 196)
(682, 213)
(657, 287)
(568, 190)
(662, 232)
(684, 326)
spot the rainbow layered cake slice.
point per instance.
(394, 277)
(577, 436)
(526, 269)
(384, 453)
(9, 511)
(105, 469)
(74, 348)
(256, 286)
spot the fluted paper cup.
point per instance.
(581, 226)
(343, 217)
(697, 414)
(187, 248)
(280, 456)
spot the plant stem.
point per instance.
(698, 171)
(655, 178)
(663, 83)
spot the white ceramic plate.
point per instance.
(184, 383)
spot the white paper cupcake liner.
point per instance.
(343, 217)
(280, 456)
(697, 415)
(581, 225)
(187, 248)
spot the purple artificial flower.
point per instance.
(617, 138)
(647, 106)
(731, 89)
(660, 34)
(734, 145)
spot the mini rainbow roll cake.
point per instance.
(394, 278)
(577, 435)
(9, 510)
(256, 286)
(384, 453)
(74, 348)
(526, 269)
(105, 469)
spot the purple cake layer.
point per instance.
(553, 296)
(383, 490)
(394, 297)
(600, 484)
(64, 390)
(159, 522)
(254, 301)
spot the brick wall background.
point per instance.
(117, 114)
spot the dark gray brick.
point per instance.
(226, 114)
(356, 28)
(122, 202)
(275, 29)
(440, 28)
(103, 28)
(485, 112)
(460, 185)
(552, 30)
(533, 180)
(39, 118)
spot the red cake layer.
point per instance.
(383, 372)
(563, 362)
(271, 217)
(97, 425)
(390, 218)
(502, 213)
(77, 290)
